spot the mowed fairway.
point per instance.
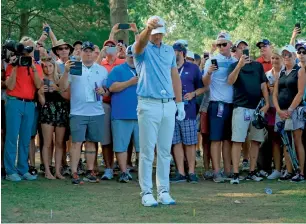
(109, 201)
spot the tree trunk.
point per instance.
(119, 14)
(24, 26)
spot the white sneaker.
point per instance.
(108, 174)
(149, 201)
(165, 199)
(274, 175)
(234, 181)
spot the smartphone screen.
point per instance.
(120, 41)
(76, 69)
(246, 52)
(36, 55)
(124, 26)
(214, 62)
(206, 55)
(47, 82)
(298, 25)
(47, 30)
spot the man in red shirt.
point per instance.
(22, 83)
(265, 54)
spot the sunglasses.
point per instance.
(301, 52)
(63, 48)
(289, 55)
(223, 45)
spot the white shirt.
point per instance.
(83, 100)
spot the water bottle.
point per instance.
(184, 91)
(268, 190)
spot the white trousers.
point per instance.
(156, 122)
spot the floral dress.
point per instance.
(55, 112)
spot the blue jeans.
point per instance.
(19, 117)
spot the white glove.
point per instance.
(180, 111)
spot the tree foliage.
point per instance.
(197, 21)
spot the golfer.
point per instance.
(158, 84)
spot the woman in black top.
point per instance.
(287, 96)
(54, 116)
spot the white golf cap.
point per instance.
(159, 29)
(241, 41)
(190, 54)
(224, 36)
(184, 42)
(288, 48)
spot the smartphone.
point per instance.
(298, 25)
(76, 69)
(246, 52)
(111, 50)
(36, 55)
(124, 26)
(47, 83)
(120, 41)
(206, 55)
(47, 30)
(215, 63)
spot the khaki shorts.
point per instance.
(241, 128)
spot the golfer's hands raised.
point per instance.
(153, 24)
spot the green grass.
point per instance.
(109, 201)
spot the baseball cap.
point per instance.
(109, 42)
(190, 54)
(263, 41)
(89, 45)
(159, 29)
(301, 46)
(179, 47)
(240, 41)
(77, 42)
(197, 57)
(224, 36)
(184, 42)
(128, 51)
(299, 43)
(288, 48)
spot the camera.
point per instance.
(13, 48)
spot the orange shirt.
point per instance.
(267, 65)
(109, 67)
(105, 64)
(25, 87)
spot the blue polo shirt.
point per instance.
(124, 103)
(191, 78)
(220, 90)
(154, 68)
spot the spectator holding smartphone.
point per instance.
(62, 50)
(249, 83)
(22, 83)
(86, 112)
(53, 117)
(220, 106)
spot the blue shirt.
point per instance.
(191, 80)
(220, 90)
(83, 99)
(154, 68)
(124, 103)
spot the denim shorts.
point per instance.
(220, 128)
(185, 132)
(86, 128)
(123, 131)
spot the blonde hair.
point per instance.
(56, 75)
(26, 39)
(277, 52)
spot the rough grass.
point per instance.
(109, 201)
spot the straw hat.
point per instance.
(60, 43)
